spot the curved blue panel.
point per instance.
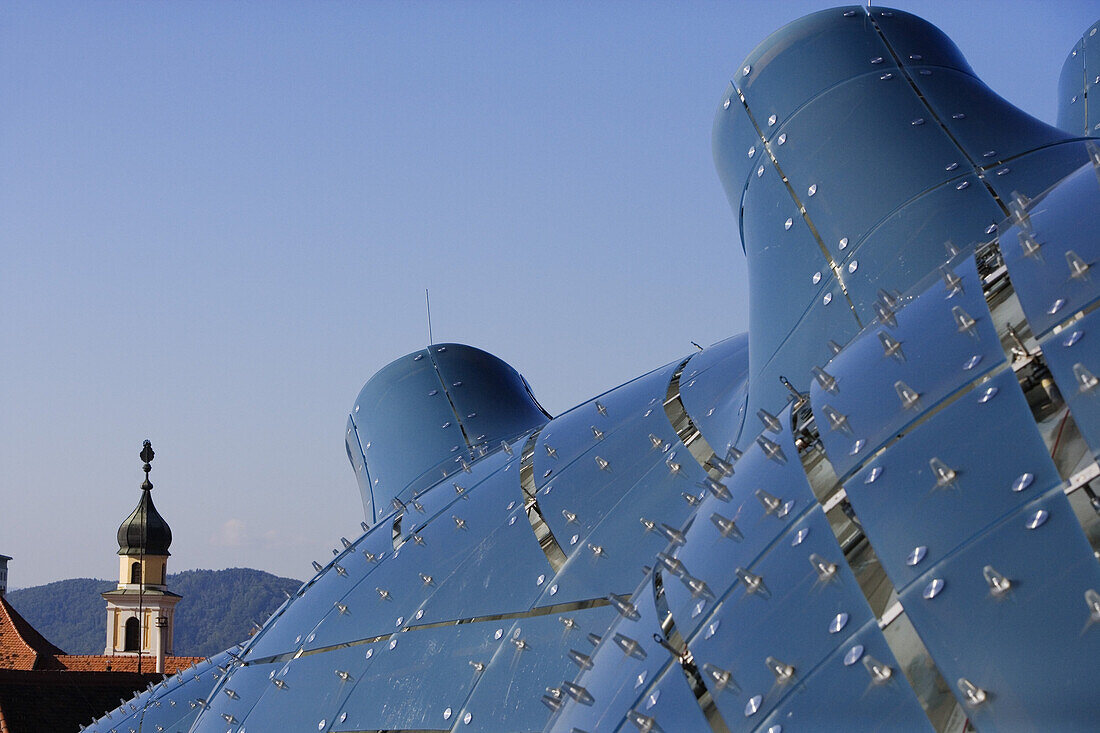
(808, 57)
(589, 426)
(934, 359)
(789, 618)
(916, 42)
(983, 637)
(305, 693)
(627, 658)
(829, 318)
(713, 388)
(420, 415)
(903, 504)
(1072, 355)
(846, 142)
(713, 551)
(843, 694)
(1080, 76)
(534, 655)
(912, 240)
(1062, 223)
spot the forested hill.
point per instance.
(217, 609)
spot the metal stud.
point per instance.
(884, 313)
(1086, 381)
(1078, 268)
(835, 419)
(909, 397)
(1092, 600)
(963, 320)
(1028, 243)
(772, 450)
(601, 409)
(643, 723)
(890, 346)
(630, 647)
(945, 475)
(834, 347)
(824, 380)
(716, 488)
(770, 421)
(723, 679)
(783, 672)
(951, 282)
(753, 583)
(603, 464)
(880, 673)
(726, 527)
(998, 583)
(972, 694)
(625, 608)
(581, 660)
(825, 569)
(772, 504)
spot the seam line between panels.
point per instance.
(451, 402)
(543, 534)
(532, 613)
(833, 266)
(978, 170)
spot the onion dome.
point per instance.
(145, 532)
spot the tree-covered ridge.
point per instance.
(217, 609)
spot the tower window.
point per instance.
(135, 573)
(133, 634)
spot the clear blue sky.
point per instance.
(217, 220)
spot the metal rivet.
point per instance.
(1022, 482)
(753, 705)
(932, 589)
(853, 655)
(853, 265)
(1038, 519)
(916, 555)
(918, 121)
(812, 189)
(745, 71)
(958, 116)
(1073, 338)
(843, 244)
(726, 104)
(816, 278)
(838, 623)
(771, 120)
(752, 151)
(827, 298)
(961, 185)
(788, 224)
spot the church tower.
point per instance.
(140, 610)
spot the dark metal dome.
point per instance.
(145, 532)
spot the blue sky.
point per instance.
(217, 220)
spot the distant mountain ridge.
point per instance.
(217, 609)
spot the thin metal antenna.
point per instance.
(428, 304)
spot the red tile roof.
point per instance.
(21, 647)
(102, 663)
